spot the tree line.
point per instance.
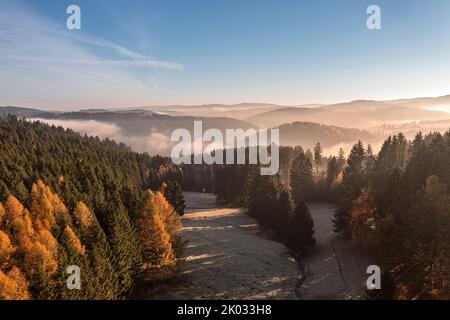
(396, 202)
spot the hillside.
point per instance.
(356, 114)
(70, 200)
(143, 130)
(307, 134)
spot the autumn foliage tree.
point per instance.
(158, 254)
(363, 218)
(38, 244)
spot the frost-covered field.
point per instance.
(228, 258)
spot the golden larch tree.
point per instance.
(158, 254)
(13, 285)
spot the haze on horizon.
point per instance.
(175, 53)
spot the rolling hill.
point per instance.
(359, 114)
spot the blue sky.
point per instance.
(140, 53)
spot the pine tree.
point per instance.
(351, 187)
(262, 196)
(341, 160)
(73, 252)
(126, 248)
(369, 161)
(302, 182)
(285, 208)
(100, 278)
(317, 156)
(174, 195)
(301, 229)
(332, 171)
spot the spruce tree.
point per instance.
(302, 182)
(262, 198)
(285, 208)
(317, 156)
(125, 247)
(341, 160)
(100, 278)
(301, 229)
(332, 171)
(351, 187)
(174, 195)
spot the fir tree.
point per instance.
(351, 186)
(341, 160)
(174, 195)
(332, 171)
(301, 229)
(285, 208)
(302, 182)
(317, 156)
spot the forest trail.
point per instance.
(336, 269)
(228, 257)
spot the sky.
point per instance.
(290, 52)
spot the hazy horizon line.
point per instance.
(319, 104)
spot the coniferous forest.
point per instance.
(67, 199)
(72, 200)
(396, 202)
(226, 150)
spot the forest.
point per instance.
(67, 199)
(70, 200)
(395, 203)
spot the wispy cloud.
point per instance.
(44, 64)
(138, 59)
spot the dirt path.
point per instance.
(228, 258)
(336, 268)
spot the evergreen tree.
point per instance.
(302, 182)
(284, 211)
(301, 229)
(100, 278)
(317, 156)
(341, 160)
(369, 161)
(174, 195)
(125, 247)
(332, 171)
(351, 187)
(262, 198)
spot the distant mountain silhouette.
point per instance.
(357, 114)
(302, 125)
